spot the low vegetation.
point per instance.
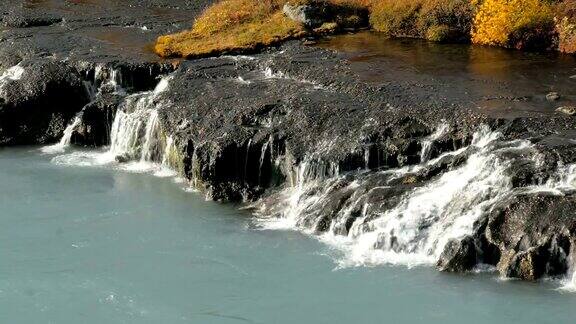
(247, 25)
(436, 20)
(514, 23)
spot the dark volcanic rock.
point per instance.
(238, 115)
(24, 19)
(458, 256)
(96, 121)
(36, 108)
(534, 235)
(98, 31)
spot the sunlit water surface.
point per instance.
(98, 245)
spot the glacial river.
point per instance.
(101, 245)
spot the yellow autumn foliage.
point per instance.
(246, 25)
(497, 20)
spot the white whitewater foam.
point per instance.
(65, 140)
(13, 73)
(135, 135)
(442, 130)
(243, 81)
(270, 74)
(416, 230)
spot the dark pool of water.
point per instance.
(501, 81)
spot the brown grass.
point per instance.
(231, 25)
(437, 20)
(246, 25)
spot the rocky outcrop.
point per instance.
(238, 137)
(315, 13)
(37, 104)
(458, 256)
(96, 121)
(533, 234)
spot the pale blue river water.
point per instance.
(97, 245)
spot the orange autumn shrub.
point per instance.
(519, 24)
(245, 25)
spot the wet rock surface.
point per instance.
(534, 235)
(95, 31)
(458, 256)
(32, 109)
(96, 121)
(253, 128)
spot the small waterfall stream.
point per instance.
(137, 140)
(442, 130)
(136, 133)
(66, 138)
(420, 221)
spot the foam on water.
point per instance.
(425, 219)
(137, 143)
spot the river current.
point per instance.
(102, 245)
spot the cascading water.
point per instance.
(442, 130)
(136, 137)
(104, 80)
(136, 131)
(65, 140)
(414, 227)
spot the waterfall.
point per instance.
(136, 133)
(108, 79)
(356, 213)
(137, 141)
(66, 138)
(442, 130)
(104, 80)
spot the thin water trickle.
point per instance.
(442, 130)
(66, 139)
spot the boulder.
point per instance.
(38, 101)
(96, 121)
(311, 14)
(459, 255)
(325, 17)
(552, 96)
(568, 110)
(534, 234)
